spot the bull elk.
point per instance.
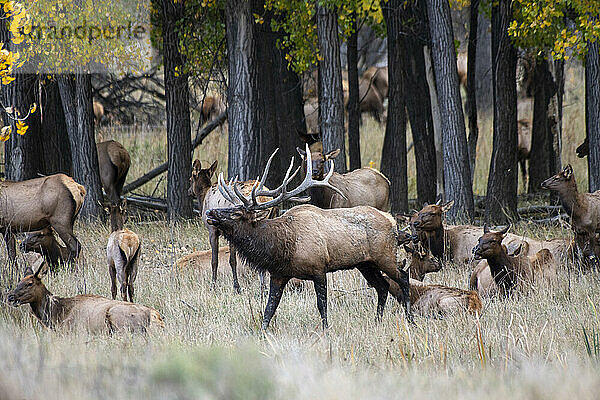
(307, 242)
(361, 187)
(95, 314)
(122, 252)
(39, 203)
(44, 243)
(209, 197)
(114, 162)
(512, 272)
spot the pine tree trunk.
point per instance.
(353, 106)
(419, 107)
(457, 176)
(501, 199)
(471, 85)
(331, 98)
(179, 145)
(23, 154)
(555, 116)
(393, 156)
(57, 150)
(244, 157)
(592, 105)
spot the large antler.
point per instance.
(233, 194)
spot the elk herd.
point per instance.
(333, 222)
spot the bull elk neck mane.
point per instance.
(307, 242)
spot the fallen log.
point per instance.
(152, 203)
(165, 166)
(539, 209)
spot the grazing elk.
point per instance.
(212, 106)
(209, 196)
(114, 163)
(512, 272)
(39, 203)
(122, 252)
(99, 115)
(361, 187)
(307, 242)
(583, 208)
(95, 314)
(439, 301)
(44, 243)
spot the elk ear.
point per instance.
(41, 267)
(301, 152)
(409, 249)
(446, 207)
(439, 202)
(568, 171)
(260, 215)
(503, 231)
(197, 166)
(28, 271)
(486, 228)
(518, 250)
(213, 168)
(404, 267)
(332, 154)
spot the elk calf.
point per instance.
(95, 314)
(122, 252)
(422, 262)
(361, 187)
(114, 162)
(44, 243)
(512, 273)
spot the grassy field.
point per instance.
(212, 347)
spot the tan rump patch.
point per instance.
(77, 191)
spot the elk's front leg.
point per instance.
(233, 264)
(321, 291)
(11, 247)
(275, 292)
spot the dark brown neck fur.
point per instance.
(433, 241)
(569, 197)
(49, 310)
(502, 267)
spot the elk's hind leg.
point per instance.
(11, 246)
(113, 279)
(320, 283)
(275, 292)
(213, 237)
(233, 264)
(375, 279)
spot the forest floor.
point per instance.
(543, 345)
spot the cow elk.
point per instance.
(361, 187)
(39, 203)
(307, 242)
(122, 252)
(583, 208)
(44, 243)
(512, 273)
(209, 197)
(114, 163)
(422, 262)
(212, 106)
(94, 314)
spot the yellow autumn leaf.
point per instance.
(33, 108)
(21, 128)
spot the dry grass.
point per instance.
(212, 347)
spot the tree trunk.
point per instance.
(244, 158)
(555, 116)
(501, 199)
(23, 154)
(353, 106)
(414, 20)
(541, 143)
(57, 150)
(437, 125)
(393, 156)
(592, 105)
(457, 176)
(179, 142)
(76, 95)
(331, 98)
(471, 82)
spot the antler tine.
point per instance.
(224, 189)
(325, 181)
(245, 201)
(266, 171)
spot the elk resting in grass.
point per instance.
(39, 203)
(92, 313)
(422, 262)
(44, 243)
(512, 273)
(114, 163)
(361, 187)
(209, 196)
(122, 252)
(307, 242)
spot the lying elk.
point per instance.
(37, 204)
(44, 243)
(122, 252)
(114, 163)
(361, 187)
(422, 262)
(307, 242)
(512, 273)
(93, 313)
(583, 208)
(209, 197)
